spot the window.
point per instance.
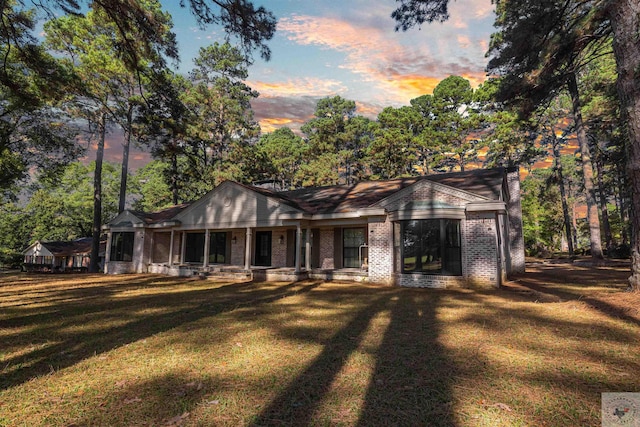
(430, 246)
(352, 241)
(263, 248)
(194, 248)
(218, 248)
(122, 246)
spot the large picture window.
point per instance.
(122, 246)
(430, 246)
(218, 248)
(194, 248)
(353, 239)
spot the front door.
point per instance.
(263, 248)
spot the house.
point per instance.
(60, 256)
(438, 230)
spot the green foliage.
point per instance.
(541, 213)
(322, 170)
(283, 153)
(149, 187)
(393, 151)
(63, 209)
(13, 233)
(59, 208)
(454, 124)
(112, 37)
(537, 55)
(511, 140)
(335, 141)
(221, 118)
(32, 136)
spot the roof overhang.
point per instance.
(359, 213)
(498, 206)
(165, 224)
(409, 214)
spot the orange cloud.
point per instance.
(367, 110)
(464, 41)
(298, 87)
(400, 72)
(271, 124)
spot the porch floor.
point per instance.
(262, 274)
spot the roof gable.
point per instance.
(487, 183)
(232, 204)
(126, 219)
(427, 191)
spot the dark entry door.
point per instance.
(263, 248)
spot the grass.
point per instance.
(146, 350)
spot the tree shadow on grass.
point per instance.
(298, 402)
(410, 382)
(166, 400)
(561, 283)
(62, 336)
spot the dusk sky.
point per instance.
(348, 48)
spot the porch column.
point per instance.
(53, 263)
(298, 248)
(183, 248)
(107, 254)
(205, 263)
(307, 251)
(171, 249)
(247, 250)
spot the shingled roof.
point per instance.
(80, 246)
(342, 198)
(160, 216)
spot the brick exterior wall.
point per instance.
(480, 247)
(279, 250)
(516, 234)
(237, 248)
(426, 281)
(326, 249)
(381, 252)
(160, 251)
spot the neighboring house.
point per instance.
(445, 229)
(61, 256)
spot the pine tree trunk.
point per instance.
(563, 195)
(124, 173)
(174, 177)
(587, 171)
(622, 207)
(97, 197)
(625, 21)
(606, 226)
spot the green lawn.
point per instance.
(148, 350)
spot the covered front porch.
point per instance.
(259, 254)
